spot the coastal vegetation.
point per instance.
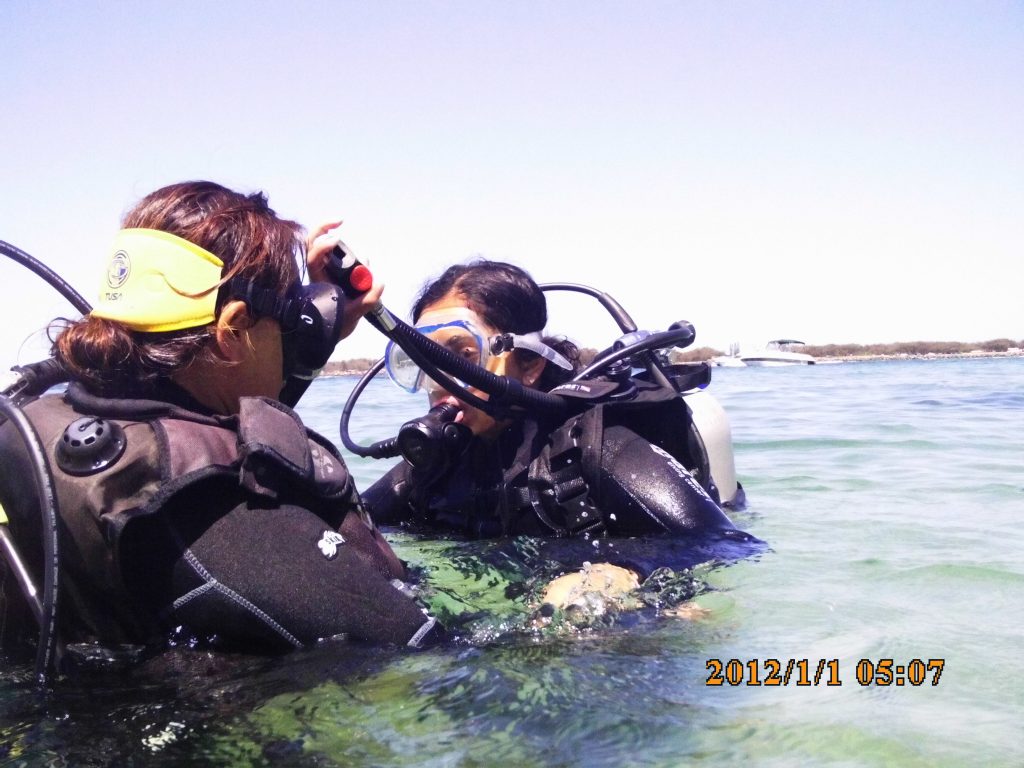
(912, 348)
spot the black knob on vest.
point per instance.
(90, 445)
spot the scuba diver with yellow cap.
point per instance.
(171, 482)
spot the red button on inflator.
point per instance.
(361, 278)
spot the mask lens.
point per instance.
(402, 370)
(458, 336)
(459, 340)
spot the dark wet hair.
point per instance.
(242, 230)
(509, 300)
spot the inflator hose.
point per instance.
(51, 277)
(38, 378)
(47, 649)
(385, 449)
(619, 315)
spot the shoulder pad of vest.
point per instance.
(273, 442)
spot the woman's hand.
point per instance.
(359, 306)
(319, 244)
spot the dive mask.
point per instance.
(458, 329)
(310, 318)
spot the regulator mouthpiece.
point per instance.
(430, 442)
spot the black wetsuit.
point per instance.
(246, 530)
(617, 469)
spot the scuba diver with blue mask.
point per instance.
(178, 491)
(621, 457)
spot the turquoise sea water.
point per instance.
(891, 495)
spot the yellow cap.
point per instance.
(156, 281)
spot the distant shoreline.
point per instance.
(344, 369)
(973, 355)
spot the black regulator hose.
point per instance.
(47, 650)
(35, 379)
(616, 310)
(625, 323)
(427, 443)
(51, 277)
(384, 449)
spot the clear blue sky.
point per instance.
(830, 171)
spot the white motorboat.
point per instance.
(779, 352)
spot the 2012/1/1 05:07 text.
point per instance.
(770, 672)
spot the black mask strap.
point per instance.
(310, 318)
